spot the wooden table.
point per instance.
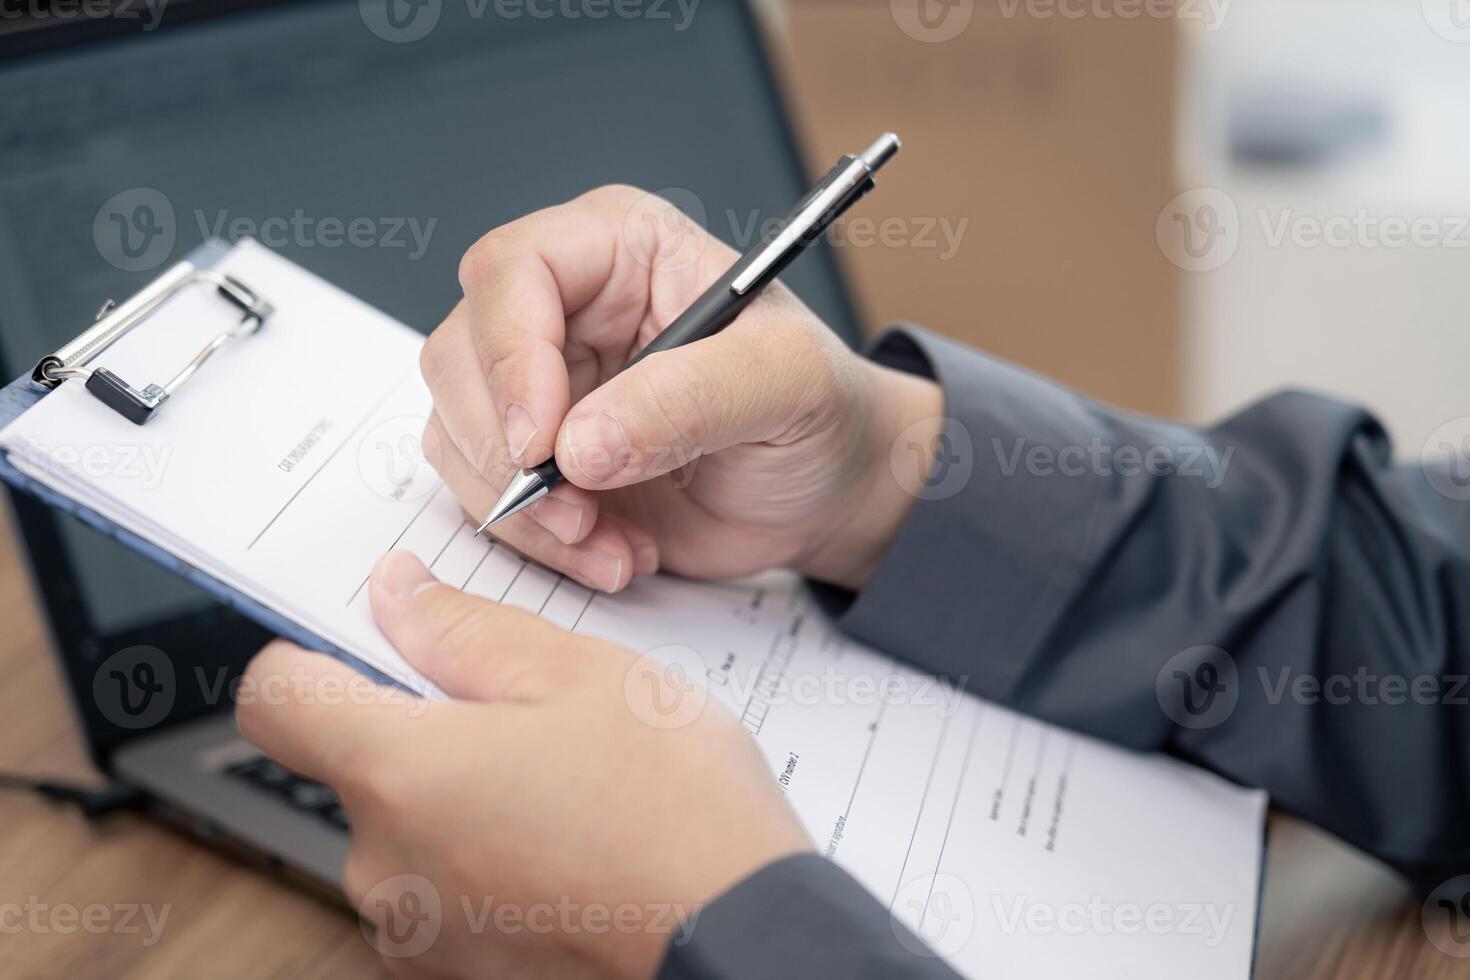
(1328, 913)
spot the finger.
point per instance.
(666, 260)
(644, 546)
(564, 296)
(520, 282)
(471, 647)
(461, 393)
(315, 715)
(762, 380)
(602, 560)
(568, 512)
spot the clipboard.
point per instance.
(79, 360)
(665, 616)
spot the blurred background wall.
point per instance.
(1174, 206)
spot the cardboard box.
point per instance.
(1038, 154)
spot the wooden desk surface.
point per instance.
(1328, 913)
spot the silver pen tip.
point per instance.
(524, 489)
(884, 148)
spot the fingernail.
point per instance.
(645, 559)
(401, 575)
(599, 570)
(561, 517)
(519, 431)
(598, 445)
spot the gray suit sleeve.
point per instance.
(1271, 598)
(798, 918)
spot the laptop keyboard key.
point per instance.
(309, 796)
(296, 791)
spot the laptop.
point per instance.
(371, 141)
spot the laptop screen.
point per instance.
(371, 144)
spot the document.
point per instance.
(1011, 847)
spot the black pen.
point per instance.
(732, 292)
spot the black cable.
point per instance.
(93, 803)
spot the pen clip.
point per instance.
(835, 193)
(843, 185)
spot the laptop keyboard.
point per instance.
(297, 791)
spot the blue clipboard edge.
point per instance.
(1261, 888)
(21, 394)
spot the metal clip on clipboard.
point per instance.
(133, 404)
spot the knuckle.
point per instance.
(477, 263)
(433, 359)
(487, 261)
(502, 361)
(620, 196)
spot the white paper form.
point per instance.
(1014, 848)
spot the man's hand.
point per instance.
(764, 446)
(554, 820)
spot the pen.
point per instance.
(848, 181)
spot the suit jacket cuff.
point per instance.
(965, 577)
(798, 918)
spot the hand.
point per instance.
(764, 446)
(541, 827)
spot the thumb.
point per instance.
(473, 648)
(739, 386)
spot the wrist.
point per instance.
(896, 453)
